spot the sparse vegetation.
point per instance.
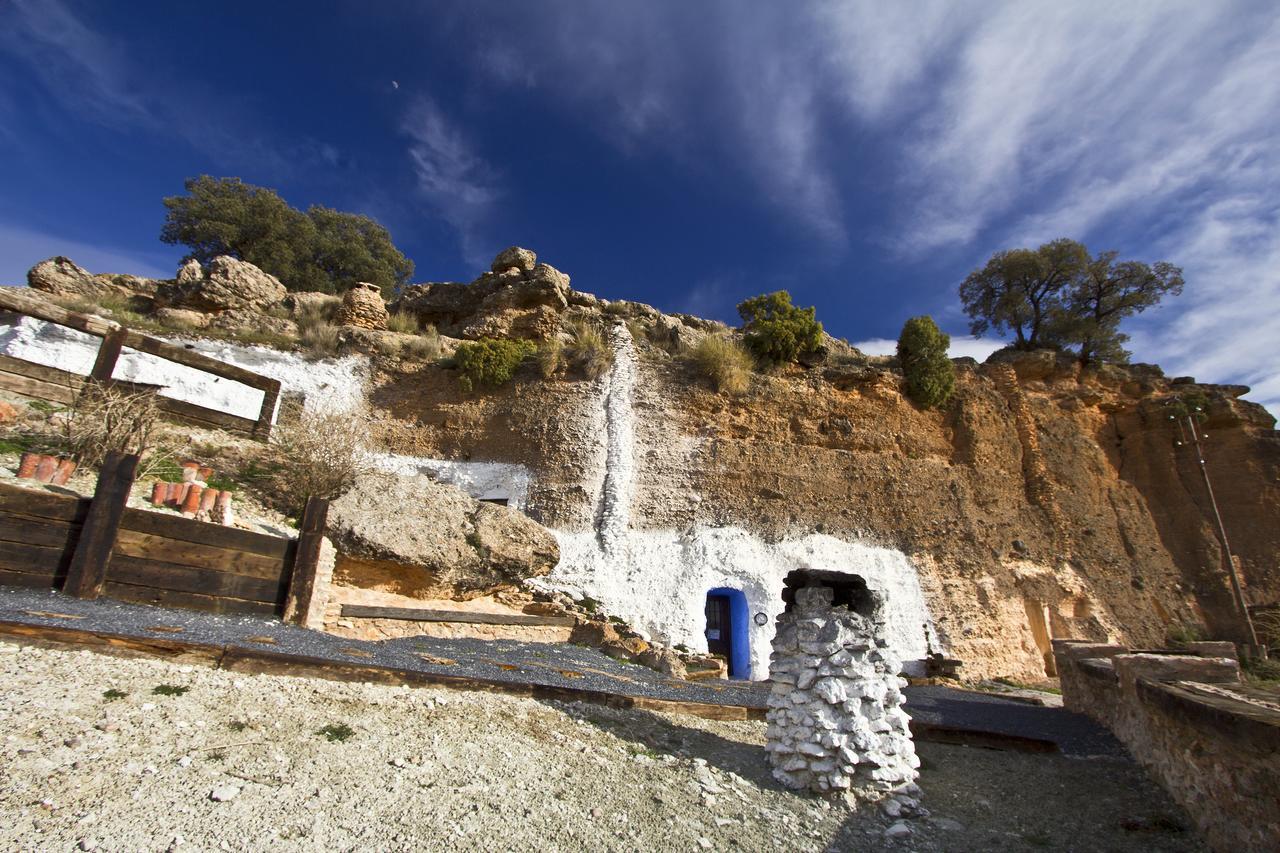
(489, 362)
(589, 353)
(113, 694)
(1179, 635)
(320, 338)
(169, 690)
(237, 725)
(102, 417)
(336, 732)
(776, 331)
(922, 352)
(724, 362)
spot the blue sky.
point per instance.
(863, 155)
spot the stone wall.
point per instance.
(1212, 742)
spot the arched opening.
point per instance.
(727, 632)
(849, 591)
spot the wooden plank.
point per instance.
(88, 568)
(208, 654)
(306, 558)
(205, 417)
(25, 302)
(187, 600)
(203, 533)
(162, 549)
(108, 354)
(267, 412)
(37, 389)
(414, 614)
(39, 503)
(29, 559)
(139, 571)
(30, 531)
(32, 370)
(8, 578)
(191, 358)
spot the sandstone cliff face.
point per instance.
(1043, 503)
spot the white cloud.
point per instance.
(453, 178)
(961, 346)
(22, 248)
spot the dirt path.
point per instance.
(236, 763)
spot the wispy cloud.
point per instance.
(22, 248)
(452, 177)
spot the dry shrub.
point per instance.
(315, 454)
(424, 347)
(590, 351)
(103, 417)
(404, 323)
(724, 362)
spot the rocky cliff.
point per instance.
(1044, 502)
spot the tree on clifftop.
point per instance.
(1105, 293)
(776, 331)
(1057, 296)
(1019, 290)
(323, 249)
(922, 352)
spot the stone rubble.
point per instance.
(836, 722)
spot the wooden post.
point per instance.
(88, 569)
(108, 355)
(270, 395)
(302, 582)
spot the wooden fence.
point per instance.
(97, 546)
(60, 386)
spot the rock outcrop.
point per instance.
(362, 306)
(519, 298)
(61, 276)
(226, 283)
(416, 537)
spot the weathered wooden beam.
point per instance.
(414, 614)
(190, 530)
(88, 569)
(302, 581)
(25, 303)
(108, 354)
(191, 358)
(267, 413)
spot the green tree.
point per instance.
(922, 352)
(776, 331)
(1104, 293)
(1021, 290)
(323, 249)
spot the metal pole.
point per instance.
(1226, 546)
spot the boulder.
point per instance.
(306, 301)
(514, 256)
(663, 660)
(225, 284)
(416, 537)
(180, 318)
(62, 276)
(362, 306)
(247, 320)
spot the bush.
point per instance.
(589, 352)
(314, 455)
(403, 322)
(424, 347)
(776, 331)
(488, 362)
(922, 352)
(723, 361)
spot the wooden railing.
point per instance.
(98, 546)
(59, 386)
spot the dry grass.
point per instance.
(589, 352)
(404, 323)
(724, 362)
(104, 417)
(550, 358)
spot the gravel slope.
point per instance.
(235, 763)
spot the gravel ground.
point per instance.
(236, 762)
